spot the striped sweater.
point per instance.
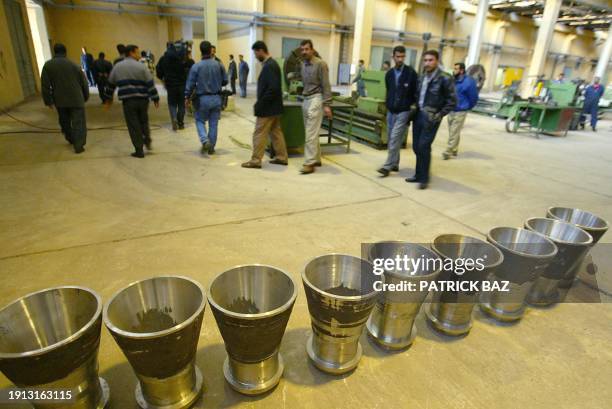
(133, 80)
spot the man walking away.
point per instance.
(436, 98)
(232, 73)
(317, 100)
(361, 91)
(592, 94)
(121, 52)
(102, 69)
(136, 87)
(467, 97)
(268, 110)
(87, 66)
(171, 70)
(65, 87)
(401, 83)
(206, 78)
(243, 75)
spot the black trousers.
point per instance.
(233, 85)
(423, 134)
(101, 83)
(136, 113)
(176, 103)
(74, 126)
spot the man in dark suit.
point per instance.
(268, 110)
(232, 73)
(102, 69)
(65, 87)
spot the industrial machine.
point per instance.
(552, 110)
(368, 123)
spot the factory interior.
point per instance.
(98, 249)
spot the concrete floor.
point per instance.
(104, 219)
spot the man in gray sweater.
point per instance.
(136, 88)
(65, 87)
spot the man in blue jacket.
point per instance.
(592, 94)
(467, 96)
(401, 83)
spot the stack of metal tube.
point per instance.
(50, 339)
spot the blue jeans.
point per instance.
(361, 89)
(209, 111)
(423, 134)
(243, 87)
(397, 125)
(592, 111)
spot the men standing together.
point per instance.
(243, 75)
(317, 101)
(136, 87)
(206, 78)
(467, 97)
(65, 87)
(268, 109)
(401, 83)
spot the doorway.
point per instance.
(19, 39)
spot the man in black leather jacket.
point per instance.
(436, 98)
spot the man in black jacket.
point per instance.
(436, 99)
(401, 84)
(268, 109)
(65, 87)
(171, 70)
(232, 73)
(102, 69)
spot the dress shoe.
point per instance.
(395, 169)
(181, 126)
(412, 180)
(307, 170)
(422, 186)
(174, 126)
(211, 150)
(279, 162)
(251, 165)
(79, 150)
(138, 155)
(383, 172)
(147, 143)
(205, 148)
(317, 164)
(446, 155)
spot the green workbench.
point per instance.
(542, 118)
(292, 123)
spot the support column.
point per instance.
(476, 36)
(187, 29)
(542, 45)
(604, 58)
(362, 41)
(255, 33)
(210, 21)
(500, 34)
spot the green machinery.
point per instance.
(369, 120)
(551, 112)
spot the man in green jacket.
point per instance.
(65, 87)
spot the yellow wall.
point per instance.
(10, 82)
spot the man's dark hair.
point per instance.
(387, 62)
(461, 66)
(143, 53)
(307, 41)
(259, 45)
(240, 55)
(129, 49)
(231, 56)
(433, 53)
(101, 56)
(213, 46)
(399, 49)
(205, 48)
(59, 49)
(121, 48)
(361, 62)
